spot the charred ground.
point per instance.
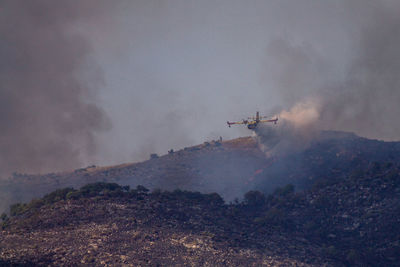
(350, 221)
(345, 209)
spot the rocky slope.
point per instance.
(200, 168)
(161, 228)
(230, 168)
(345, 210)
(350, 220)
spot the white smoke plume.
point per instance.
(302, 115)
(294, 131)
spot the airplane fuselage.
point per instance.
(252, 125)
(252, 122)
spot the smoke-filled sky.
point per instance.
(103, 82)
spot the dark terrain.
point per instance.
(230, 168)
(203, 168)
(345, 209)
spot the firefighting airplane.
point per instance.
(252, 122)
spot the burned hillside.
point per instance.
(104, 224)
(203, 168)
(348, 220)
(334, 203)
(230, 168)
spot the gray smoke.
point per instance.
(175, 71)
(283, 139)
(185, 68)
(48, 115)
(363, 97)
(367, 101)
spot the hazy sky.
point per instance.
(176, 71)
(154, 75)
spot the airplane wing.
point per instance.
(271, 120)
(236, 122)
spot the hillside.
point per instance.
(145, 229)
(230, 168)
(353, 221)
(200, 168)
(345, 209)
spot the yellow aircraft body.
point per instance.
(252, 122)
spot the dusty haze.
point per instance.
(48, 114)
(90, 82)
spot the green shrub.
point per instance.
(322, 202)
(284, 191)
(4, 225)
(112, 193)
(274, 216)
(157, 192)
(392, 176)
(57, 195)
(4, 221)
(376, 167)
(73, 195)
(141, 189)
(3, 217)
(254, 198)
(357, 174)
(352, 256)
(310, 226)
(126, 188)
(332, 252)
(214, 199)
(194, 195)
(177, 192)
(17, 209)
(94, 189)
(387, 165)
(35, 204)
